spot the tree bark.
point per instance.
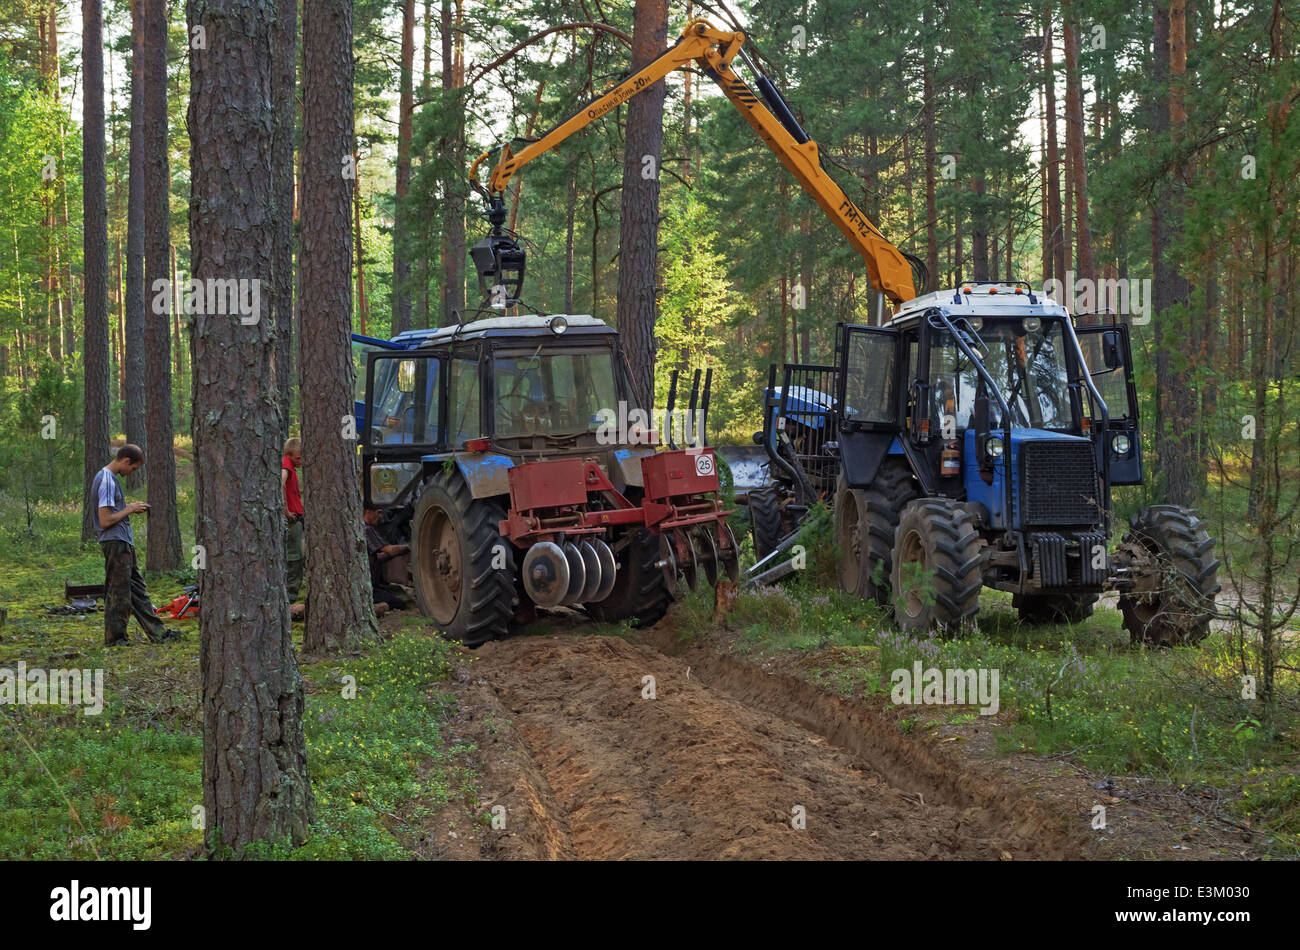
(95, 256)
(639, 223)
(401, 302)
(931, 215)
(340, 607)
(163, 551)
(453, 188)
(1074, 129)
(284, 76)
(1175, 441)
(255, 779)
(1055, 225)
(133, 401)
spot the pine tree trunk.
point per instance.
(639, 222)
(1055, 224)
(284, 76)
(570, 212)
(255, 780)
(1074, 142)
(163, 551)
(931, 215)
(453, 186)
(340, 609)
(1175, 441)
(95, 256)
(133, 400)
(401, 301)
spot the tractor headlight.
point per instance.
(1120, 444)
(558, 325)
(994, 446)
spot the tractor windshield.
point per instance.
(552, 392)
(1026, 358)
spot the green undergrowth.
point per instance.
(124, 784)
(1080, 690)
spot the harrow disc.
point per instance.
(577, 573)
(591, 564)
(668, 564)
(706, 553)
(546, 574)
(731, 556)
(608, 569)
(687, 565)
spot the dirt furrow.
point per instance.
(725, 761)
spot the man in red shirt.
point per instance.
(293, 516)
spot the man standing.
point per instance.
(293, 568)
(124, 589)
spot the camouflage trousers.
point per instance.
(125, 594)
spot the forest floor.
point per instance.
(770, 735)
(735, 747)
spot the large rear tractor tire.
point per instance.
(767, 520)
(865, 521)
(639, 592)
(1175, 600)
(1054, 608)
(892, 490)
(849, 536)
(937, 573)
(454, 545)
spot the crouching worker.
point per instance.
(390, 564)
(124, 589)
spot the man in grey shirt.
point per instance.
(124, 589)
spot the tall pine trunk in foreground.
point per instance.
(340, 608)
(133, 409)
(95, 255)
(284, 75)
(255, 782)
(164, 544)
(639, 224)
(405, 110)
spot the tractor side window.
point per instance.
(952, 382)
(359, 353)
(869, 386)
(463, 402)
(405, 410)
(1109, 382)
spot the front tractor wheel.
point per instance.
(462, 567)
(937, 567)
(1177, 577)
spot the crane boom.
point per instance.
(713, 50)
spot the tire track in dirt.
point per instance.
(714, 766)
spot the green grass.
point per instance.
(124, 784)
(1081, 690)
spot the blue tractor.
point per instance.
(979, 433)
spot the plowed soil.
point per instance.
(726, 761)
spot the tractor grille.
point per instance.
(1058, 483)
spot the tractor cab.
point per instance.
(508, 448)
(979, 434)
(987, 379)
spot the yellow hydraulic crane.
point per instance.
(712, 50)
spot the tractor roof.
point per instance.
(981, 300)
(579, 324)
